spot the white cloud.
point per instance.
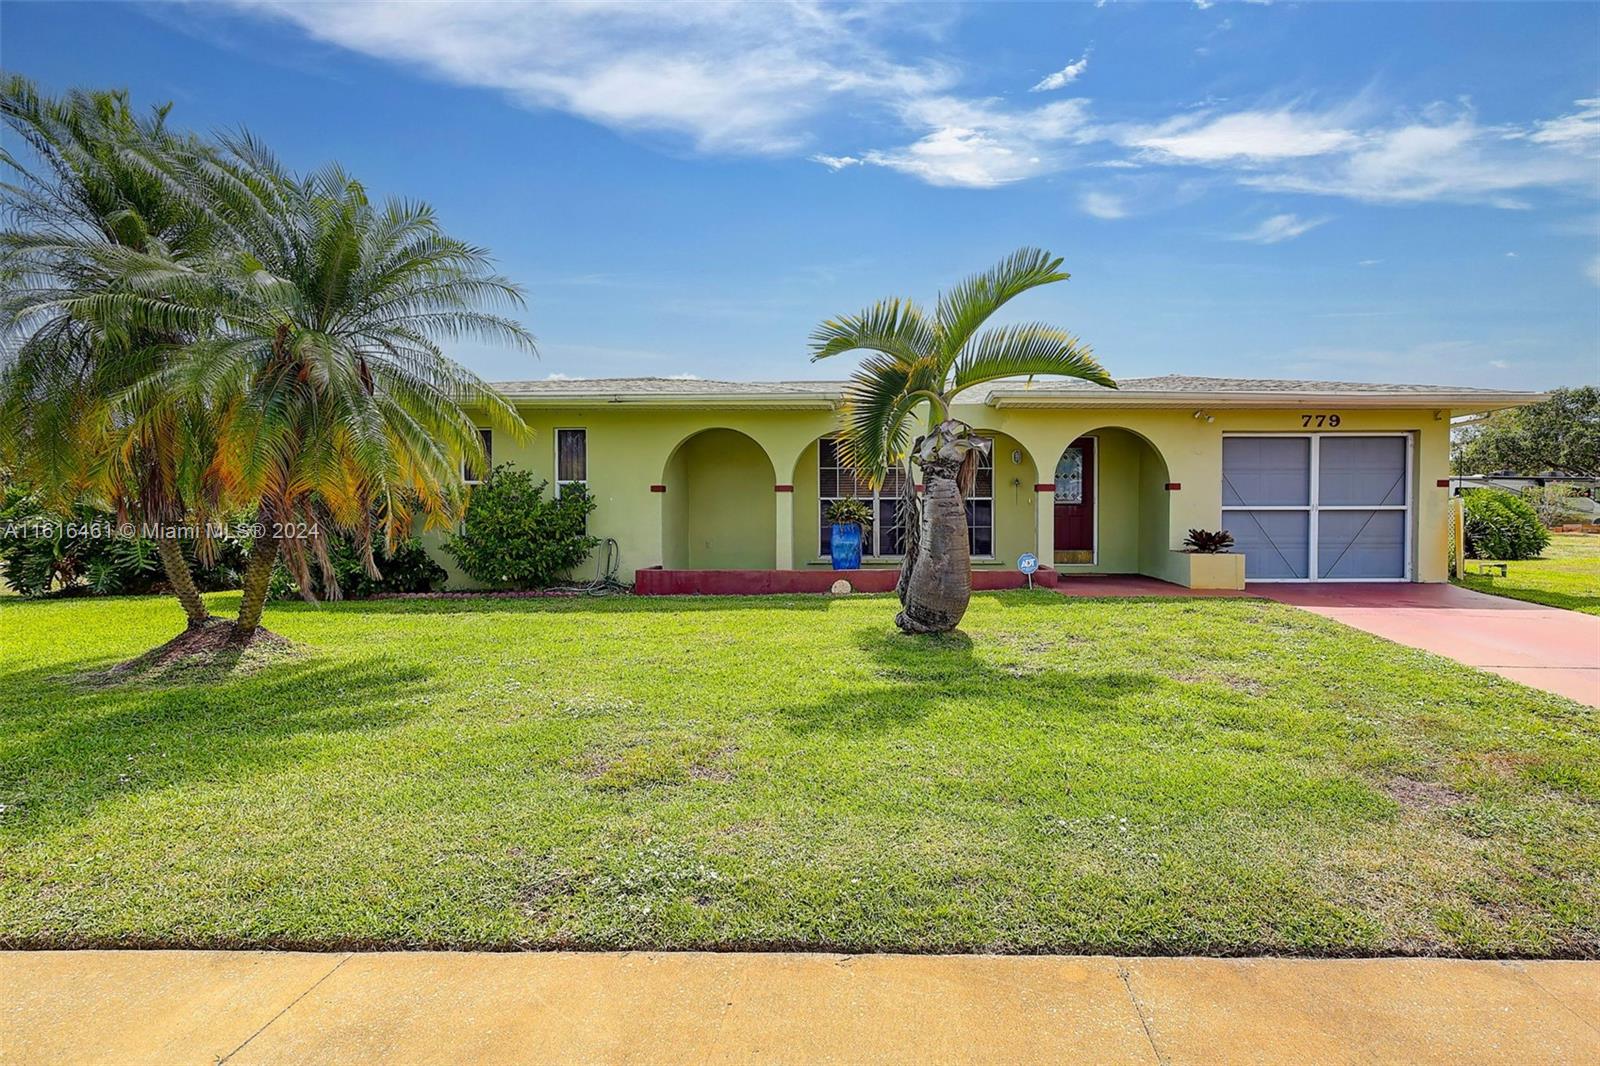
(1440, 157)
(981, 144)
(836, 162)
(683, 377)
(1279, 228)
(1369, 262)
(1500, 364)
(1103, 205)
(769, 78)
(1205, 5)
(1511, 255)
(729, 77)
(1250, 136)
(1592, 269)
(1063, 77)
(1576, 130)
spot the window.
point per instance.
(471, 475)
(980, 507)
(836, 481)
(572, 458)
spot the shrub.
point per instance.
(83, 552)
(409, 568)
(1552, 503)
(1202, 542)
(1500, 525)
(850, 512)
(514, 536)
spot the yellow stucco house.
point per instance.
(1317, 481)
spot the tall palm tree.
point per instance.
(335, 402)
(919, 361)
(96, 182)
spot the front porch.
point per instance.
(659, 581)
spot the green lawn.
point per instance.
(1213, 776)
(1566, 575)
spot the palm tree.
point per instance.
(99, 183)
(919, 361)
(336, 406)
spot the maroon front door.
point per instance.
(1075, 502)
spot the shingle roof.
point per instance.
(1183, 383)
(1171, 388)
(665, 387)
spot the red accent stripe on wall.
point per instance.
(1045, 487)
(1443, 483)
(658, 488)
(1173, 486)
(783, 488)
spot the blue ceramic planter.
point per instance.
(846, 544)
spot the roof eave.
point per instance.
(1457, 401)
(765, 401)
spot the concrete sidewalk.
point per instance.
(427, 1007)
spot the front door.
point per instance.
(1075, 503)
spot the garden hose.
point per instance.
(605, 581)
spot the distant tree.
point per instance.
(1561, 434)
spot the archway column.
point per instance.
(783, 497)
(1045, 523)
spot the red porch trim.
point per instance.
(658, 488)
(783, 488)
(1045, 487)
(656, 581)
(1174, 486)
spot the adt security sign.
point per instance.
(1028, 562)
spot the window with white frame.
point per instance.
(471, 474)
(572, 458)
(836, 481)
(980, 507)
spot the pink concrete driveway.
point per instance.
(1545, 647)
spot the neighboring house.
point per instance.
(1317, 481)
(1583, 503)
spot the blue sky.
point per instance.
(1365, 192)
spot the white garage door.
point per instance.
(1319, 507)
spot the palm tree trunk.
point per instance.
(181, 579)
(257, 579)
(941, 575)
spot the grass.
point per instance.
(1566, 575)
(1208, 776)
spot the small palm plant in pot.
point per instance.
(1205, 542)
(851, 519)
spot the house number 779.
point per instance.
(1319, 420)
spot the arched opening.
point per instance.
(1111, 504)
(718, 513)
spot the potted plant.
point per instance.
(851, 519)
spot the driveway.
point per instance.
(1545, 647)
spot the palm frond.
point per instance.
(963, 310)
(893, 327)
(1026, 350)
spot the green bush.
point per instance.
(1500, 525)
(409, 568)
(514, 536)
(83, 552)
